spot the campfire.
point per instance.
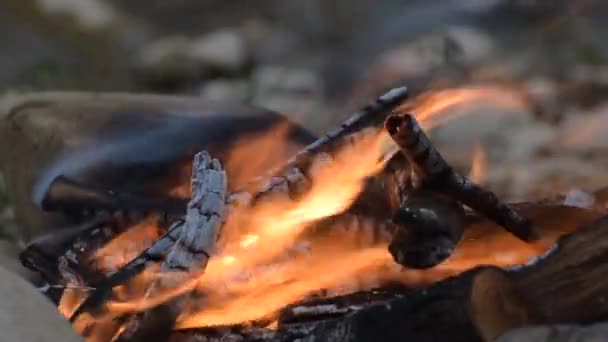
(366, 234)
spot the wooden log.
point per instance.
(431, 172)
(184, 250)
(430, 228)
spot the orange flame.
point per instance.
(479, 164)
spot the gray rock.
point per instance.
(290, 90)
(26, 315)
(180, 57)
(454, 45)
(166, 58)
(91, 14)
(225, 90)
(223, 50)
(557, 333)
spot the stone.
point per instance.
(166, 59)
(180, 58)
(225, 90)
(291, 90)
(557, 333)
(223, 50)
(26, 315)
(91, 14)
(453, 45)
(584, 132)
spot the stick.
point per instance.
(186, 247)
(432, 172)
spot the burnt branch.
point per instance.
(432, 172)
(372, 114)
(430, 228)
(295, 176)
(184, 250)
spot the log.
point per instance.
(430, 227)
(431, 172)
(183, 251)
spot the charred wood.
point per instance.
(430, 226)
(431, 172)
(64, 194)
(184, 250)
(295, 176)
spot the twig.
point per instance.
(432, 172)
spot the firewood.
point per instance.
(65, 194)
(291, 179)
(430, 227)
(184, 250)
(431, 172)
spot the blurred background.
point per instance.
(531, 76)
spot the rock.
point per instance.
(270, 45)
(557, 333)
(223, 50)
(290, 90)
(226, 90)
(454, 45)
(166, 60)
(584, 132)
(543, 177)
(181, 58)
(91, 14)
(26, 315)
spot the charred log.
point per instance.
(431, 172)
(430, 227)
(184, 250)
(64, 194)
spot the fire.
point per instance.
(262, 261)
(128, 245)
(438, 107)
(479, 164)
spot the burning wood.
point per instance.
(292, 183)
(430, 228)
(184, 250)
(266, 255)
(431, 171)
